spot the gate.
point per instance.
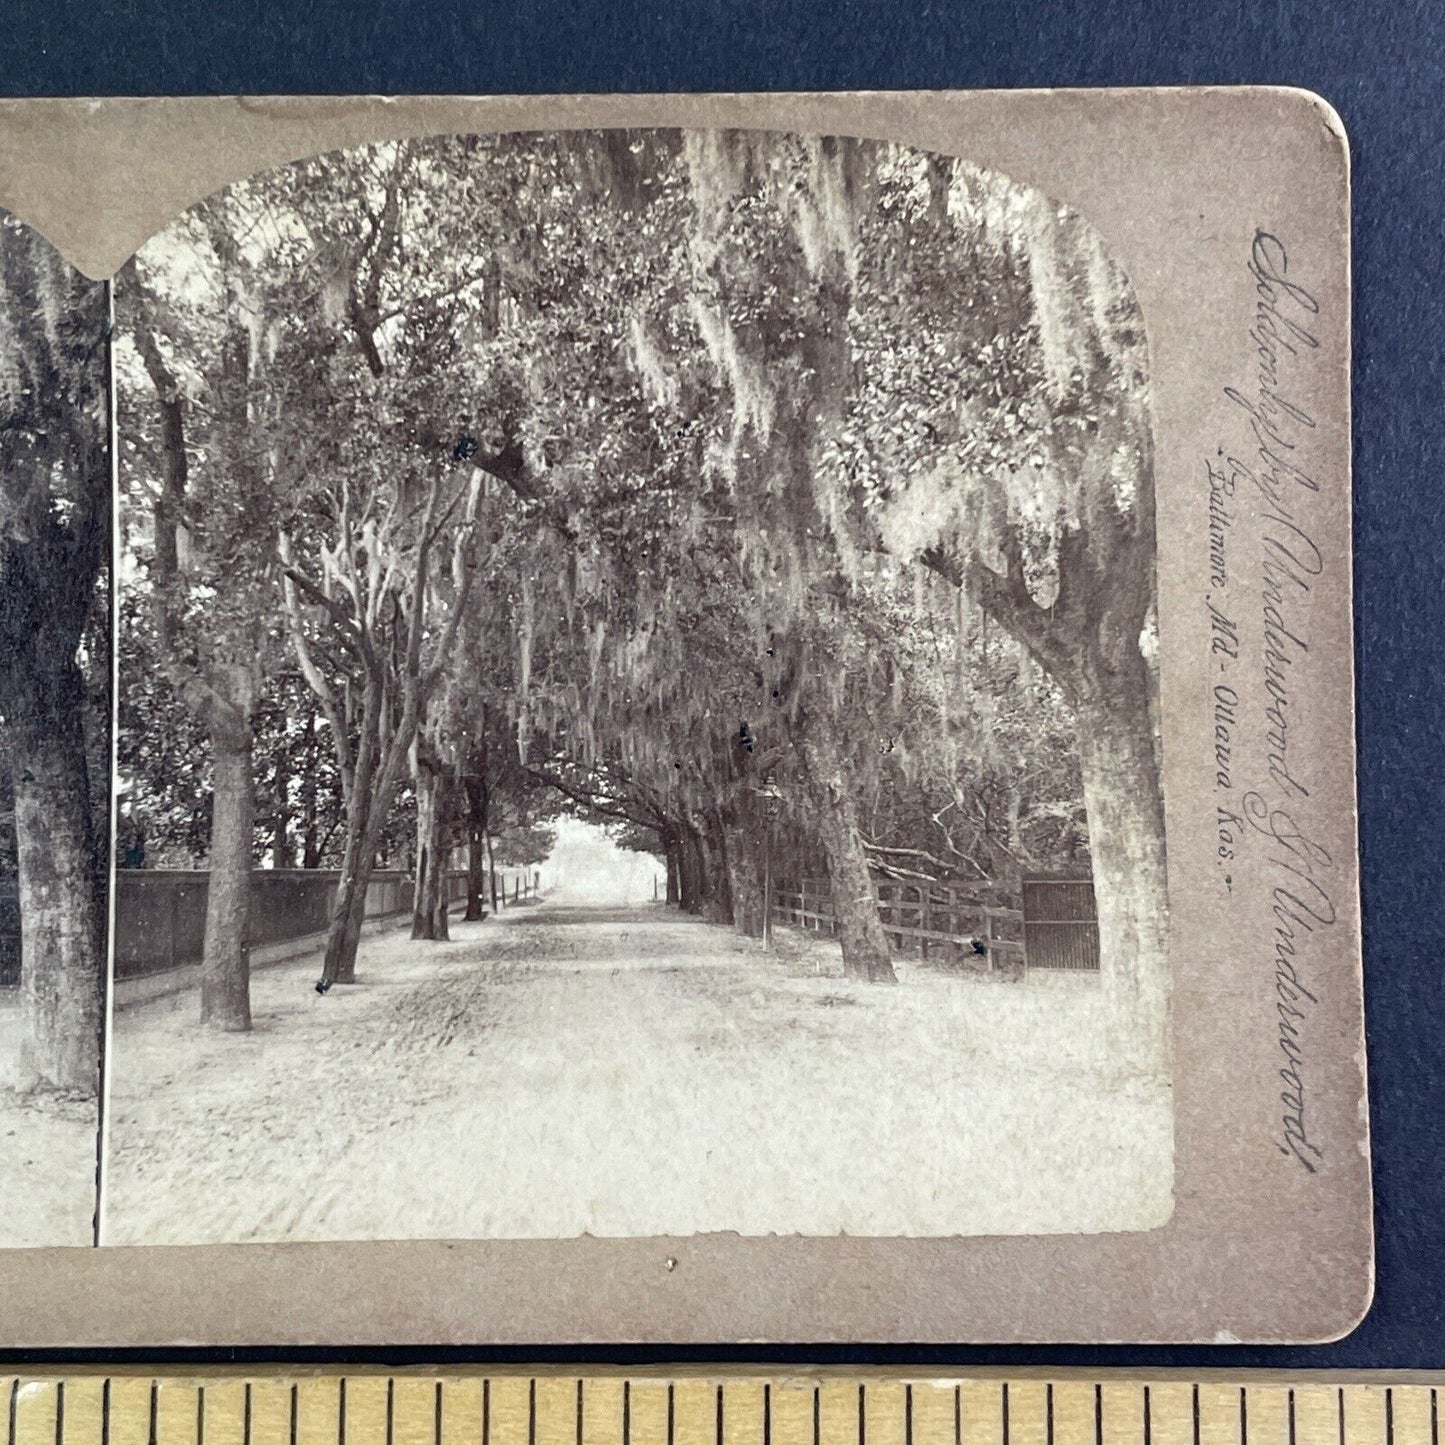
(1061, 923)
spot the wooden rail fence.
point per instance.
(931, 921)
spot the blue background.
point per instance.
(1379, 65)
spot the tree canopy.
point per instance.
(720, 483)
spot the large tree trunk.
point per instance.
(477, 804)
(491, 868)
(433, 851)
(690, 869)
(1125, 809)
(62, 918)
(369, 800)
(717, 902)
(855, 907)
(348, 910)
(423, 916)
(672, 847)
(226, 955)
(282, 853)
(423, 897)
(744, 840)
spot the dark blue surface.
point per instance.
(1379, 65)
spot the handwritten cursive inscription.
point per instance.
(1270, 639)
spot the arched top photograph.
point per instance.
(702, 581)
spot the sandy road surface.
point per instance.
(47, 1154)
(562, 1071)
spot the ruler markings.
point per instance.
(647, 1413)
(695, 1421)
(509, 1410)
(602, 1413)
(425, 1408)
(980, 1415)
(1074, 1406)
(741, 1410)
(1027, 1410)
(82, 1411)
(462, 1411)
(222, 1407)
(1118, 1411)
(365, 1414)
(1366, 1410)
(929, 1410)
(178, 1413)
(883, 1418)
(554, 1411)
(37, 1404)
(837, 1413)
(1410, 1416)
(1316, 1414)
(1168, 1409)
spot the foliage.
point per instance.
(738, 441)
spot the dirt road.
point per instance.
(47, 1154)
(561, 1071)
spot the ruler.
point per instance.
(683, 1407)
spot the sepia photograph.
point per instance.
(55, 716)
(637, 700)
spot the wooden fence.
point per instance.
(160, 914)
(947, 924)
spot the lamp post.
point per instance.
(772, 800)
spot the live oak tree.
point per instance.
(805, 491)
(201, 475)
(54, 542)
